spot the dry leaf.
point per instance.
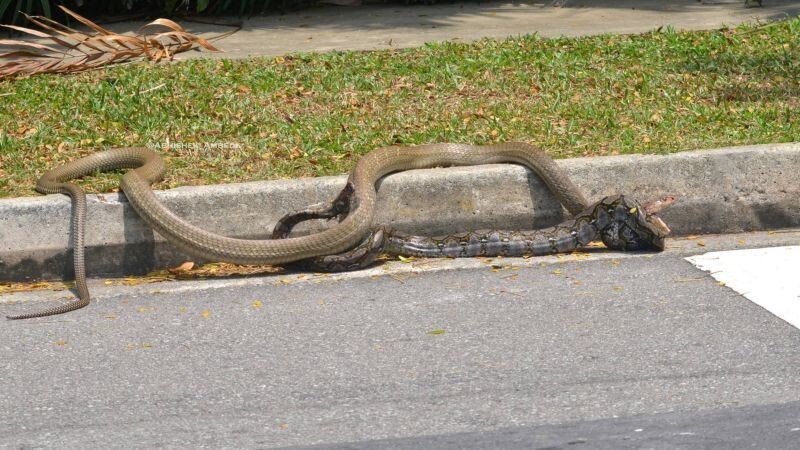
(436, 331)
(205, 313)
(685, 280)
(257, 304)
(185, 267)
(77, 51)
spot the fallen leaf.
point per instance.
(205, 313)
(580, 256)
(436, 331)
(686, 280)
(770, 232)
(701, 243)
(61, 342)
(257, 304)
(185, 267)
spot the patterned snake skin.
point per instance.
(621, 223)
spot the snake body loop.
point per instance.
(149, 168)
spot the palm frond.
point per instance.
(77, 51)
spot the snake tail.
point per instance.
(78, 260)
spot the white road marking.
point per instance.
(769, 277)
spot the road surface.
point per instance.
(548, 352)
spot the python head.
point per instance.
(630, 225)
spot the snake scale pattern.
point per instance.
(351, 243)
(620, 222)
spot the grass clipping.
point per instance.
(77, 51)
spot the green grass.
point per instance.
(309, 114)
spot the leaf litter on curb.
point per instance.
(182, 272)
(70, 50)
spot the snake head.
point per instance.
(629, 225)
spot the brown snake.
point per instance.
(149, 168)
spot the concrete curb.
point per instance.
(721, 191)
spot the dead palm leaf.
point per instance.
(77, 51)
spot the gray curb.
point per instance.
(720, 191)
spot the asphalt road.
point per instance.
(545, 352)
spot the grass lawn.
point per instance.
(314, 114)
